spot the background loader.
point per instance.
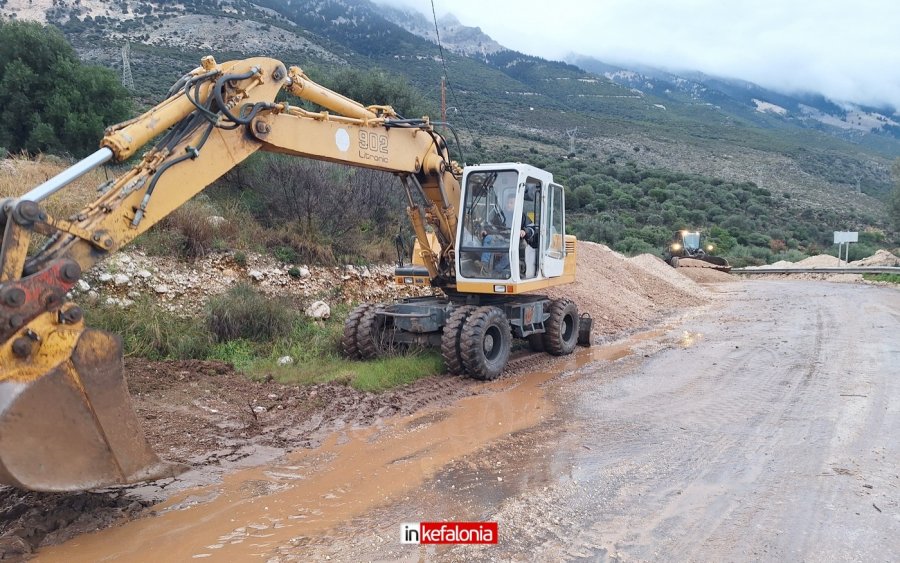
(688, 250)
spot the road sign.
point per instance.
(841, 237)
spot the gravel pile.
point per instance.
(623, 294)
(880, 258)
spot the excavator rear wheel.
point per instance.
(486, 342)
(450, 339)
(561, 328)
(349, 340)
(673, 261)
(375, 334)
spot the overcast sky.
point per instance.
(847, 50)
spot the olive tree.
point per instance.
(49, 101)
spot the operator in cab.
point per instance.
(527, 232)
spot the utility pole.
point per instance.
(127, 80)
(571, 134)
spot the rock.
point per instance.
(146, 274)
(256, 275)
(121, 279)
(272, 396)
(105, 277)
(215, 221)
(304, 272)
(124, 259)
(259, 409)
(318, 310)
(285, 360)
(134, 294)
(83, 285)
(161, 288)
(350, 269)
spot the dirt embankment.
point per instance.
(215, 420)
(880, 258)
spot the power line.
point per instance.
(437, 34)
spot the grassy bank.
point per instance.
(890, 278)
(252, 332)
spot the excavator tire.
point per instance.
(374, 336)
(562, 328)
(450, 339)
(349, 339)
(73, 427)
(485, 343)
(673, 261)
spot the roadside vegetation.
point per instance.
(252, 332)
(889, 278)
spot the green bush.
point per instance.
(149, 331)
(245, 313)
(49, 101)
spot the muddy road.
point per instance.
(763, 426)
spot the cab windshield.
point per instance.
(691, 241)
(488, 215)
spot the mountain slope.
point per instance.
(504, 102)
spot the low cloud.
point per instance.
(848, 51)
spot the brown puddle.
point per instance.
(254, 511)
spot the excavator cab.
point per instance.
(511, 227)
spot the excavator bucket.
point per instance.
(73, 427)
(711, 262)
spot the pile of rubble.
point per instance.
(185, 288)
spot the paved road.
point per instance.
(766, 427)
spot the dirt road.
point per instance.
(763, 426)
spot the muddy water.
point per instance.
(253, 511)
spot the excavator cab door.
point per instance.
(553, 233)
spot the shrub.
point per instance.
(245, 313)
(149, 331)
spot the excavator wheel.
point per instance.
(561, 328)
(450, 339)
(72, 427)
(485, 343)
(375, 334)
(349, 339)
(673, 261)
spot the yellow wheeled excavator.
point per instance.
(485, 235)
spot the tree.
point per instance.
(49, 101)
(377, 87)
